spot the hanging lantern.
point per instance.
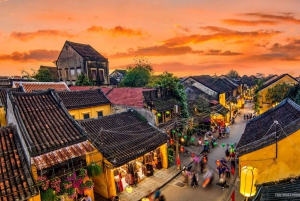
(167, 112)
(215, 144)
(248, 179)
(185, 137)
(192, 139)
(159, 114)
(182, 140)
(207, 143)
(145, 199)
(223, 145)
(193, 154)
(171, 141)
(129, 189)
(173, 131)
(181, 149)
(231, 150)
(204, 159)
(179, 134)
(232, 145)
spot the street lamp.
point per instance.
(248, 180)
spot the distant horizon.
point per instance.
(182, 37)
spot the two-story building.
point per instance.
(76, 58)
(270, 143)
(272, 82)
(85, 104)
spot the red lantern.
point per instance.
(218, 163)
(193, 155)
(181, 149)
(171, 141)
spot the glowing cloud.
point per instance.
(32, 55)
(118, 31)
(235, 22)
(286, 17)
(25, 36)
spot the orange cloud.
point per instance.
(219, 52)
(286, 17)
(186, 29)
(220, 34)
(118, 30)
(32, 55)
(235, 22)
(25, 36)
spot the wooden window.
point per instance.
(94, 74)
(100, 113)
(86, 116)
(72, 70)
(78, 71)
(101, 74)
(67, 74)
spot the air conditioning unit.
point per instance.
(176, 109)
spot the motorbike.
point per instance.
(208, 177)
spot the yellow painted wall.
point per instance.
(93, 111)
(222, 99)
(35, 177)
(263, 93)
(164, 153)
(2, 117)
(271, 169)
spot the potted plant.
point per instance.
(89, 184)
(93, 170)
(55, 184)
(43, 183)
(82, 173)
(48, 195)
(71, 192)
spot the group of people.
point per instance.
(249, 116)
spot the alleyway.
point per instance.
(171, 180)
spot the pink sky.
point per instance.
(182, 37)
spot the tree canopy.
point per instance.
(82, 80)
(278, 92)
(43, 75)
(138, 74)
(233, 74)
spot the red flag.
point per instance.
(178, 161)
(233, 196)
(232, 170)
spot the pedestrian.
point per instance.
(194, 181)
(244, 116)
(136, 178)
(157, 194)
(161, 198)
(185, 177)
(220, 132)
(232, 159)
(200, 141)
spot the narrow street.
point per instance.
(175, 190)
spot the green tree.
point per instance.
(168, 81)
(43, 75)
(82, 80)
(277, 93)
(138, 74)
(294, 93)
(233, 74)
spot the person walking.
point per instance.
(194, 181)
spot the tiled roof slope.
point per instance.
(275, 80)
(122, 71)
(259, 129)
(201, 93)
(83, 99)
(3, 94)
(208, 81)
(45, 122)
(269, 191)
(125, 136)
(86, 51)
(221, 84)
(40, 86)
(162, 105)
(16, 182)
(105, 90)
(127, 96)
(113, 81)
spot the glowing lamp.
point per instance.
(173, 131)
(159, 114)
(193, 155)
(182, 140)
(171, 141)
(129, 189)
(167, 112)
(181, 149)
(145, 199)
(248, 179)
(218, 163)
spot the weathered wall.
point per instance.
(271, 168)
(93, 111)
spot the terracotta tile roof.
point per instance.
(3, 94)
(86, 51)
(261, 130)
(127, 96)
(45, 123)
(79, 88)
(270, 190)
(83, 99)
(275, 80)
(39, 86)
(61, 155)
(125, 136)
(16, 182)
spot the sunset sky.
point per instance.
(184, 37)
